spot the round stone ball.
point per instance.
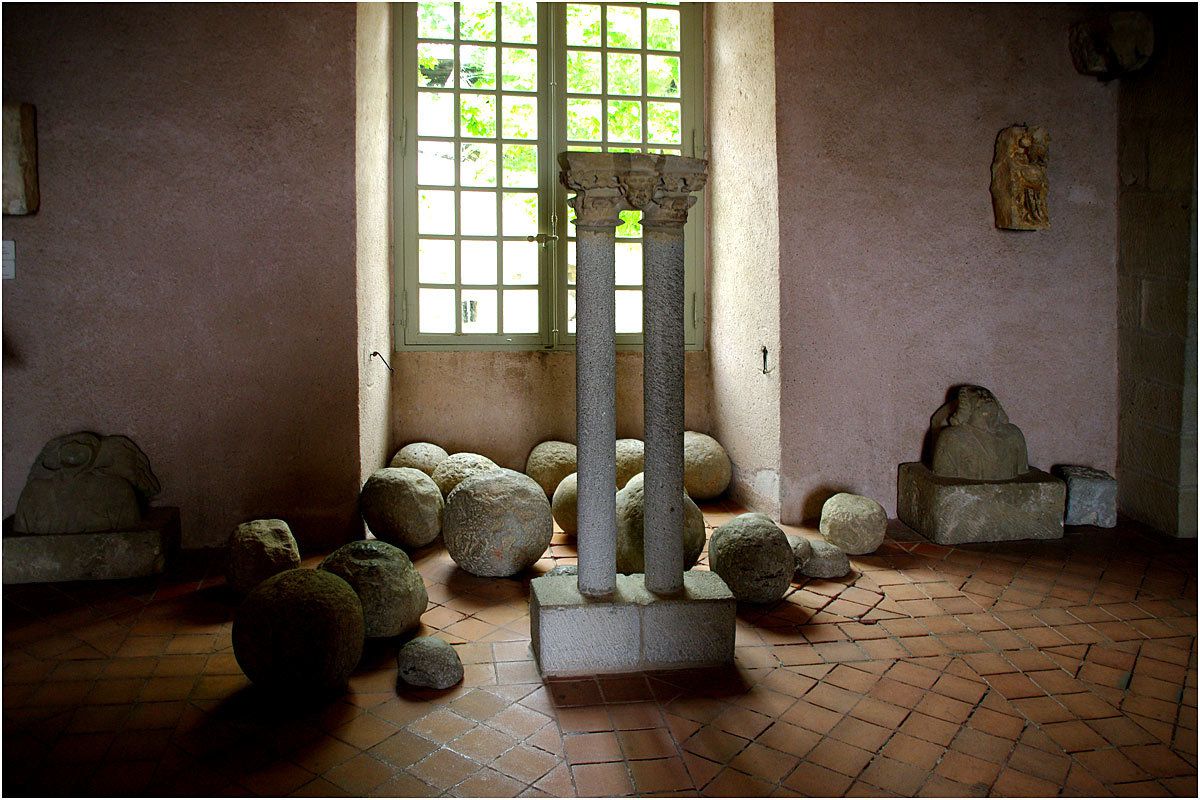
(854, 523)
(257, 550)
(389, 587)
(448, 474)
(707, 469)
(419, 455)
(564, 503)
(631, 459)
(402, 506)
(549, 463)
(301, 630)
(497, 523)
(801, 550)
(753, 557)
(631, 518)
(429, 662)
(825, 561)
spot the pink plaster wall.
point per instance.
(190, 277)
(895, 284)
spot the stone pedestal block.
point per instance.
(50, 558)
(632, 629)
(957, 511)
(1091, 496)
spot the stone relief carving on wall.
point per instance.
(1019, 184)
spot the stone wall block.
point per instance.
(1187, 460)
(1164, 306)
(1153, 401)
(1151, 451)
(1155, 234)
(1145, 355)
(1171, 157)
(1187, 513)
(1132, 152)
(1147, 499)
(1129, 301)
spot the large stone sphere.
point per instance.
(824, 560)
(429, 662)
(564, 504)
(402, 506)
(753, 557)
(448, 474)
(389, 587)
(631, 459)
(707, 469)
(549, 463)
(631, 517)
(854, 523)
(497, 523)
(301, 630)
(257, 550)
(419, 455)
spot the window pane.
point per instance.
(631, 224)
(520, 214)
(435, 259)
(520, 263)
(662, 29)
(624, 120)
(583, 25)
(662, 76)
(571, 262)
(520, 166)
(435, 20)
(478, 115)
(520, 70)
(436, 310)
(624, 73)
(629, 311)
(478, 67)
(477, 20)
(629, 264)
(435, 163)
(435, 211)
(435, 65)
(478, 164)
(521, 311)
(518, 21)
(583, 72)
(478, 213)
(663, 124)
(435, 114)
(520, 117)
(570, 311)
(624, 27)
(583, 120)
(478, 311)
(478, 265)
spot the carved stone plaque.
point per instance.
(20, 160)
(1019, 185)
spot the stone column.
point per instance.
(598, 202)
(663, 217)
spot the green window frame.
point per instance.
(450, 169)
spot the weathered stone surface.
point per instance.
(631, 517)
(84, 482)
(973, 439)
(299, 631)
(1112, 45)
(429, 662)
(565, 569)
(753, 556)
(564, 504)
(21, 195)
(402, 506)
(631, 459)
(497, 523)
(257, 550)
(801, 549)
(707, 469)
(389, 587)
(451, 471)
(419, 455)
(954, 511)
(1019, 185)
(1091, 496)
(549, 463)
(824, 560)
(854, 523)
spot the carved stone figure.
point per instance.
(84, 483)
(973, 439)
(1019, 186)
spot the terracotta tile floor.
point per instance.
(1034, 668)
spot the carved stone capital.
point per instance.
(678, 177)
(639, 179)
(595, 180)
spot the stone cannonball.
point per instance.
(564, 503)
(707, 469)
(801, 550)
(824, 560)
(631, 459)
(854, 523)
(549, 463)
(497, 523)
(753, 557)
(257, 550)
(301, 630)
(389, 587)
(429, 662)
(419, 455)
(451, 472)
(631, 517)
(402, 506)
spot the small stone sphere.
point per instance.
(631, 459)
(564, 504)
(707, 469)
(801, 550)
(854, 523)
(549, 463)
(753, 557)
(301, 630)
(825, 561)
(497, 523)
(631, 518)
(419, 455)
(257, 550)
(402, 506)
(389, 587)
(452, 470)
(429, 662)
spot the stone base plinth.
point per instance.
(1091, 496)
(632, 629)
(956, 511)
(52, 558)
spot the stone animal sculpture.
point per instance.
(973, 439)
(83, 483)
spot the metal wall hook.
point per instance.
(384, 360)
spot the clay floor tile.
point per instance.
(574, 692)
(1015, 685)
(441, 726)
(860, 734)
(400, 710)
(626, 689)
(402, 749)
(896, 693)
(1121, 731)
(815, 780)
(488, 783)
(914, 751)
(714, 744)
(584, 719)
(478, 704)
(764, 762)
(840, 757)
(592, 748)
(359, 775)
(789, 738)
(742, 722)
(518, 721)
(698, 709)
(1043, 710)
(982, 745)
(1158, 760)
(602, 780)
(894, 776)
(647, 744)
(812, 717)
(944, 708)
(832, 698)
(660, 775)
(399, 785)
(1110, 766)
(173, 688)
(733, 783)
(967, 769)
(1074, 736)
(788, 681)
(929, 728)
(961, 689)
(526, 764)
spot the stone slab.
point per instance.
(958, 511)
(1091, 496)
(632, 629)
(111, 555)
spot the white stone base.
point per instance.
(633, 629)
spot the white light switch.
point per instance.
(10, 259)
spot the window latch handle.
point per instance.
(542, 238)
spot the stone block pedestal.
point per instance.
(1091, 496)
(51, 558)
(957, 511)
(632, 629)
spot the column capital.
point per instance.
(595, 178)
(678, 177)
